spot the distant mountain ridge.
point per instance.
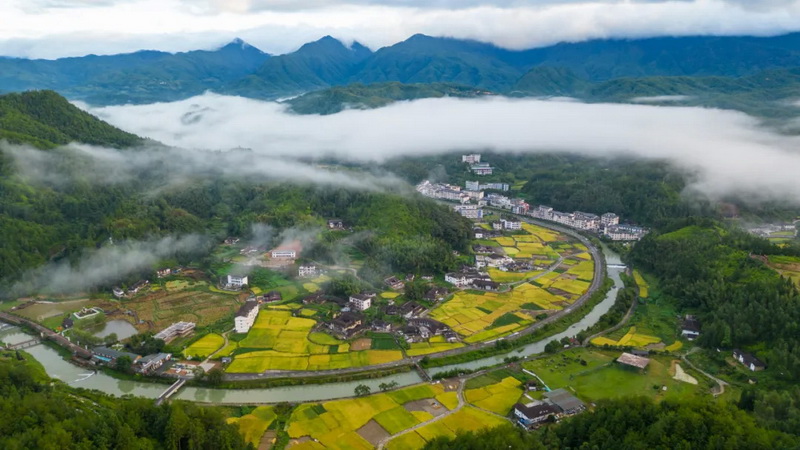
(241, 69)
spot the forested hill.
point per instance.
(45, 119)
(240, 69)
(37, 414)
(361, 96)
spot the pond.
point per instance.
(121, 328)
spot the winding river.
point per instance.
(80, 377)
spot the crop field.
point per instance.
(601, 377)
(162, 308)
(498, 397)
(511, 277)
(390, 294)
(630, 339)
(641, 283)
(334, 424)
(252, 426)
(311, 287)
(204, 346)
(41, 311)
(463, 420)
(278, 341)
(425, 348)
(787, 266)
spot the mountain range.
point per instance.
(241, 69)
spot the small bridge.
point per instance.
(23, 345)
(422, 373)
(175, 387)
(617, 266)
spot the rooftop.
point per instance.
(633, 360)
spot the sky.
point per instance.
(58, 28)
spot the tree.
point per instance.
(361, 390)
(387, 386)
(552, 346)
(123, 363)
(214, 376)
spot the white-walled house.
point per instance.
(246, 317)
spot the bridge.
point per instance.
(616, 266)
(24, 345)
(175, 387)
(422, 373)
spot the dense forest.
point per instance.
(634, 423)
(41, 415)
(64, 214)
(710, 270)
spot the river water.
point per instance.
(77, 376)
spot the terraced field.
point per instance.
(204, 346)
(630, 339)
(278, 341)
(464, 420)
(498, 397)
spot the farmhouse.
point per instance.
(450, 336)
(346, 324)
(381, 326)
(434, 327)
(511, 224)
(138, 286)
(531, 414)
(362, 301)
(246, 317)
(413, 334)
(485, 285)
(161, 273)
(629, 359)
(234, 281)
(748, 360)
(272, 296)
(483, 249)
(335, 224)
(307, 271)
(690, 327)
(314, 299)
(436, 294)
(411, 309)
(150, 363)
(231, 240)
(394, 283)
(177, 329)
(118, 292)
(493, 260)
(567, 403)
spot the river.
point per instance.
(77, 376)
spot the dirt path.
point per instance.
(720, 383)
(224, 335)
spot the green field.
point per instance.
(497, 397)
(204, 346)
(600, 377)
(279, 341)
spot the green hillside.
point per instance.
(46, 119)
(360, 96)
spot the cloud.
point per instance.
(730, 151)
(55, 28)
(106, 265)
(661, 98)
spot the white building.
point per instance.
(625, 232)
(469, 211)
(585, 221)
(287, 253)
(511, 224)
(481, 169)
(246, 317)
(543, 212)
(609, 219)
(362, 302)
(307, 270)
(236, 281)
(473, 185)
(471, 159)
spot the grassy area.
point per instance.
(641, 283)
(788, 266)
(593, 375)
(198, 304)
(204, 346)
(279, 341)
(252, 426)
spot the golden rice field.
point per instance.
(641, 283)
(278, 341)
(253, 426)
(464, 420)
(631, 339)
(334, 424)
(498, 398)
(204, 346)
(311, 287)
(426, 348)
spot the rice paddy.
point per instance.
(498, 398)
(630, 339)
(463, 420)
(252, 426)
(279, 341)
(204, 346)
(335, 424)
(641, 283)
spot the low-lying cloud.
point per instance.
(730, 152)
(106, 265)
